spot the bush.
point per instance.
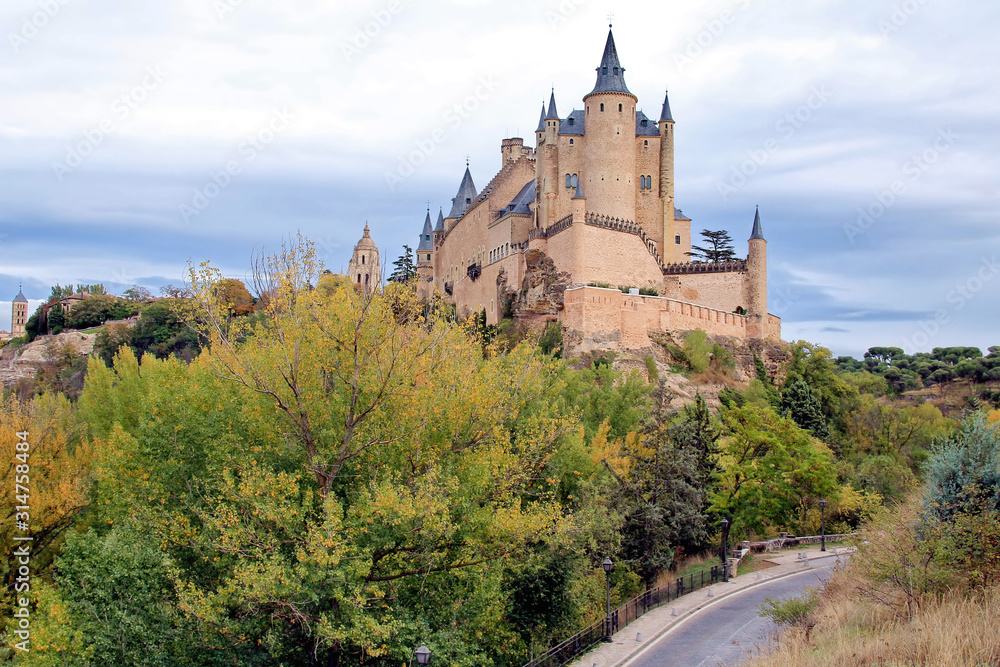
(648, 291)
(551, 341)
(790, 612)
(654, 374)
(697, 351)
(601, 285)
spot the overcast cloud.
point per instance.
(136, 136)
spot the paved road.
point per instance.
(727, 631)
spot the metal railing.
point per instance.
(583, 641)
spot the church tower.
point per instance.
(757, 282)
(19, 315)
(365, 270)
(609, 151)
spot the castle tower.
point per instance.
(676, 234)
(609, 151)
(364, 269)
(425, 256)
(757, 282)
(465, 198)
(547, 165)
(19, 314)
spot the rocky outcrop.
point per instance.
(23, 362)
(541, 298)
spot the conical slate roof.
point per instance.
(439, 227)
(758, 233)
(541, 120)
(466, 195)
(611, 74)
(20, 298)
(426, 242)
(552, 114)
(665, 114)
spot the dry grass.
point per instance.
(954, 631)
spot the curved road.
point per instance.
(728, 630)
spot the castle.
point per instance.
(591, 208)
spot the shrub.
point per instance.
(697, 351)
(648, 291)
(551, 341)
(654, 374)
(791, 612)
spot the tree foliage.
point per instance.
(718, 247)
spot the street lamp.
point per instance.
(822, 524)
(725, 549)
(423, 655)
(608, 569)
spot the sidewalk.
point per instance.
(658, 621)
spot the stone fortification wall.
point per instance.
(594, 254)
(596, 319)
(726, 291)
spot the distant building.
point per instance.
(19, 315)
(365, 269)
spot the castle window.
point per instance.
(604, 70)
(359, 278)
(572, 121)
(677, 240)
(646, 142)
(366, 279)
(575, 181)
(570, 142)
(468, 201)
(362, 259)
(645, 123)
(602, 106)
(619, 106)
(569, 181)
(616, 71)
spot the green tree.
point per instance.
(719, 247)
(799, 403)
(403, 268)
(771, 469)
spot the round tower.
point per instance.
(609, 150)
(757, 282)
(364, 269)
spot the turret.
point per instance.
(609, 150)
(672, 251)
(364, 269)
(19, 314)
(757, 282)
(466, 196)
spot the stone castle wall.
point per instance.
(723, 291)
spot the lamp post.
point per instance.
(725, 549)
(423, 655)
(609, 566)
(822, 524)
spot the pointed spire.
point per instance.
(20, 298)
(439, 227)
(552, 114)
(541, 120)
(579, 189)
(425, 236)
(611, 74)
(665, 115)
(466, 196)
(758, 233)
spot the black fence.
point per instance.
(583, 641)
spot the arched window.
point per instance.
(677, 240)
(569, 181)
(575, 180)
(616, 71)
(602, 103)
(646, 142)
(359, 277)
(570, 142)
(619, 106)
(604, 70)
(366, 279)
(362, 259)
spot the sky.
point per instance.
(138, 136)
